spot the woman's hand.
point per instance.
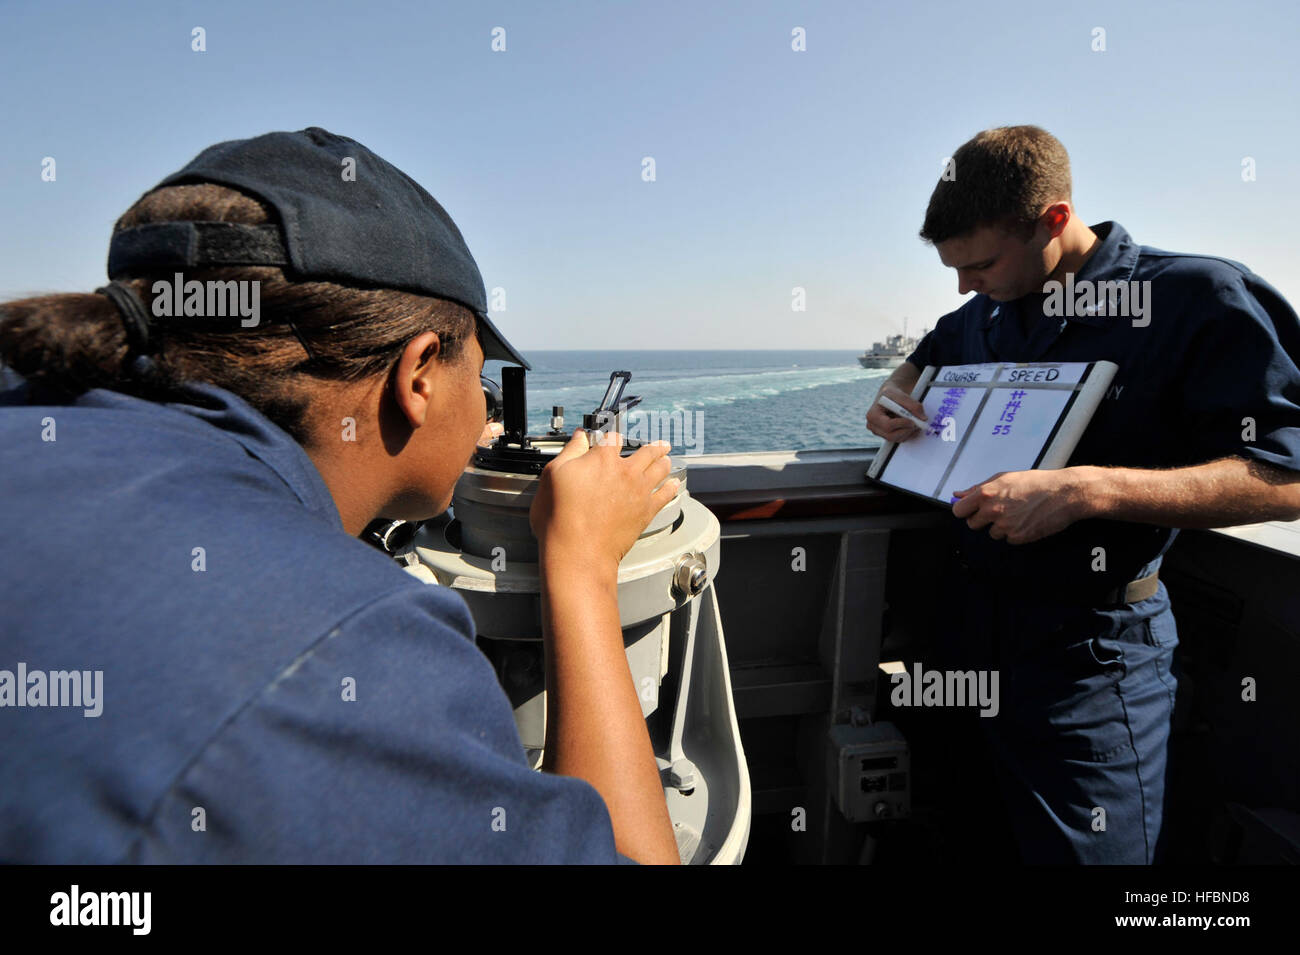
(590, 507)
(595, 501)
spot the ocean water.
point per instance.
(713, 402)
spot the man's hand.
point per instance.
(888, 425)
(1024, 506)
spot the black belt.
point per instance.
(1131, 592)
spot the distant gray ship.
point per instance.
(890, 353)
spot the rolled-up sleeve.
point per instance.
(1240, 382)
(924, 349)
(941, 345)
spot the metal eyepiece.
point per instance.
(390, 536)
(496, 402)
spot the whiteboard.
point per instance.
(986, 418)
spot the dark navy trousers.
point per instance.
(1079, 745)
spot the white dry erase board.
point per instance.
(999, 416)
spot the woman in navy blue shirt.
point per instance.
(285, 354)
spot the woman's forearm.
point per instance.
(594, 726)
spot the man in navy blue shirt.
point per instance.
(1055, 574)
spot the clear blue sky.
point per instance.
(775, 169)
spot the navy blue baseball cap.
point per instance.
(377, 227)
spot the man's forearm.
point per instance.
(1218, 494)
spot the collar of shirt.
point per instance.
(248, 427)
(1113, 260)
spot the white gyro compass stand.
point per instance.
(667, 608)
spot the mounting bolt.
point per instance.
(681, 775)
(690, 575)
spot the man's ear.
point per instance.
(1055, 218)
(414, 382)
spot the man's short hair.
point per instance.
(1002, 177)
